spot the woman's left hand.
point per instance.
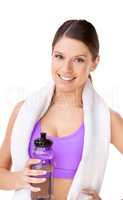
(91, 193)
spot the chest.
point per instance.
(61, 121)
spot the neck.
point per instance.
(72, 98)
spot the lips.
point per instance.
(66, 78)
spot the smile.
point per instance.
(66, 78)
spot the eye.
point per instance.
(58, 56)
(80, 60)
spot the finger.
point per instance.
(35, 180)
(33, 189)
(86, 190)
(31, 162)
(32, 172)
(92, 193)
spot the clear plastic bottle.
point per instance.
(43, 151)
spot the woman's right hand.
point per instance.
(25, 181)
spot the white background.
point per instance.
(26, 32)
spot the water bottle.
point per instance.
(43, 150)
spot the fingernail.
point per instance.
(38, 189)
(38, 160)
(43, 179)
(45, 172)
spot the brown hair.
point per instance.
(81, 30)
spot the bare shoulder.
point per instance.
(115, 115)
(116, 130)
(16, 110)
(5, 155)
(13, 117)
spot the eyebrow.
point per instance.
(74, 56)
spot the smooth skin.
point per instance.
(68, 95)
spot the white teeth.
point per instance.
(66, 78)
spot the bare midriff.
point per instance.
(61, 188)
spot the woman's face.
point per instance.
(71, 64)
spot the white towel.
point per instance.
(90, 172)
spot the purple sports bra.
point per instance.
(67, 151)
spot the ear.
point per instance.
(95, 63)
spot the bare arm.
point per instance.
(117, 130)
(5, 156)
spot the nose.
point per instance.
(67, 66)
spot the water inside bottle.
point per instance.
(43, 151)
(46, 192)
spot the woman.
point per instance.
(75, 53)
